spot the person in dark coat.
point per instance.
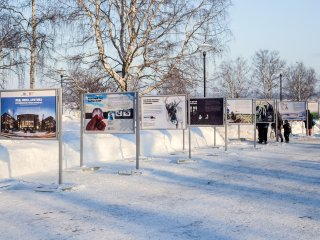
(309, 124)
(279, 127)
(286, 130)
(262, 132)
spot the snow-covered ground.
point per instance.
(267, 192)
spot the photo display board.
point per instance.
(265, 111)
(206, 111)
(293, 110)
(314, 108)
(163, 112)
(239, 111)
(30, 114)
(109, 112)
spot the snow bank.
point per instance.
(20, 157)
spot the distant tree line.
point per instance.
(262, 79)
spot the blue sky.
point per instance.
(291, 27)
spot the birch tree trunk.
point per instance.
(33, 46)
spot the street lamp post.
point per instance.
(205, 47)
(204, 73)
(61, 71)
(61, 80)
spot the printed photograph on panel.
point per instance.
(293, 110)
(314, 109)
(239, 111)
(109, 112)
(206, 111)
(163, 112)
(29, 114)
(265, 111)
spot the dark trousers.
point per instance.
(286, 136)
(263, 135)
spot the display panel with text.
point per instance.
(109, 112)
(30, 114)
(206, 111)
(163, 112)
(239, 111)
(265, 111)
(314, 108)
(292, 110)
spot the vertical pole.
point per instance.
(215, 136)
(189, 133)
(81, 131)
(307, 107)
(280, 86)
(276, 131)
(307, 121)
(60, 134)
(189, 129)
(239, 132)
(137, 130)
(254, 125)
(204, 73)
(183, 140)
(276, 128)
(226, 126)
(61, 84)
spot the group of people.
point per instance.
(277, 127)
(263, 130)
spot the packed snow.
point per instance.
(243, 192)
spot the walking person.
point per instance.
(286, 130)
(279, 127)
(309, 123)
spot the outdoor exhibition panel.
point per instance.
(314, 108)
(239, 111)
(265, 110)
(109, 112)
(292, 110)
(32, 114)
(206, 111)
(29, 114)
(164, 112)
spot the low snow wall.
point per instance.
(21, 157)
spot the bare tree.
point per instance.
(301, 82)
(225, 75)
(76, 81)
(35, 20)
(10, 41)
(140, 43)
(234, 76)
(183, 78)
(267, 67)
(81, 81)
